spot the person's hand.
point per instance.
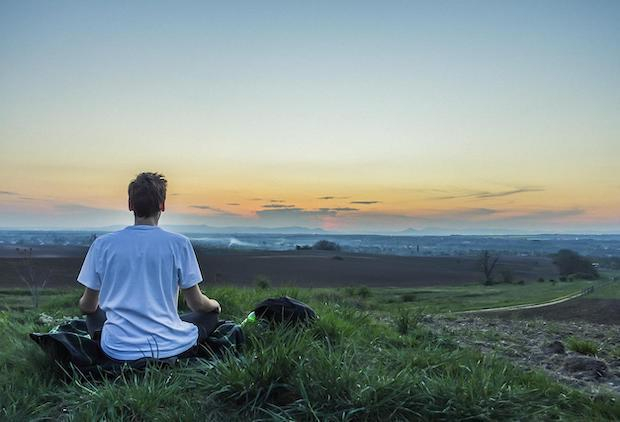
(216, 306)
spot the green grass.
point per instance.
(431, 299)
(476, 296)
(585, 347)
(609, 291)
(360, 361)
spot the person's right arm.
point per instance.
(199, 302)
(89, 302)
(90, 278)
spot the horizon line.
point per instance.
(287, 230)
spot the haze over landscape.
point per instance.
(484, 117)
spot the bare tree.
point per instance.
(28, 275)
(487, 265)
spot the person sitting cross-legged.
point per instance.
(132, 279)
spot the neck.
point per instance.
(146, 221)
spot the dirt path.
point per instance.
(574, 307)
(525, 306)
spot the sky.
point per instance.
(453, 116)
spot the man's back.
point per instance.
(138, 272)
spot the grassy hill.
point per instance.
(367, 358)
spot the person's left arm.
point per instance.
(89, 302)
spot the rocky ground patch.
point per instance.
(544, 345)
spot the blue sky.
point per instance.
(466, 114)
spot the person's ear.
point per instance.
(162, 206)
(130, 205)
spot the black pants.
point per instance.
(206, 323)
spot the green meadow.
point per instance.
(478, 296)
(609, 291)
(368, 357)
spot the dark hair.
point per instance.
(146, 192)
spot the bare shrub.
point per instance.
(487, 263)
(34, 280)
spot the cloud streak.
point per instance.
(278, 206)
(464, 213)
(216, 211)
(365, 202)
(346, 209)
(295, 212)
(332, 197)
(6, 192)
(489, 194)
(206, 207)
(485, 195)
(549, 214)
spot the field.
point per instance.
(373, 355)
(60, 266)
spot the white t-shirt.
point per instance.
(138, 272)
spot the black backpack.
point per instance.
(284, 310)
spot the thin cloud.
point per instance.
(64, 214)
(489, 194)
(234, 204)
(549, 214)
(466, 213)
(278, 206)
(301, 213)
(206, 207)
(6, 192)
(68, 206)
(295, 212)
(332, 197)
(339, 209)
(471, 215)
(365, 202)
(507, 193)
(276, 200)
(217, 211)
